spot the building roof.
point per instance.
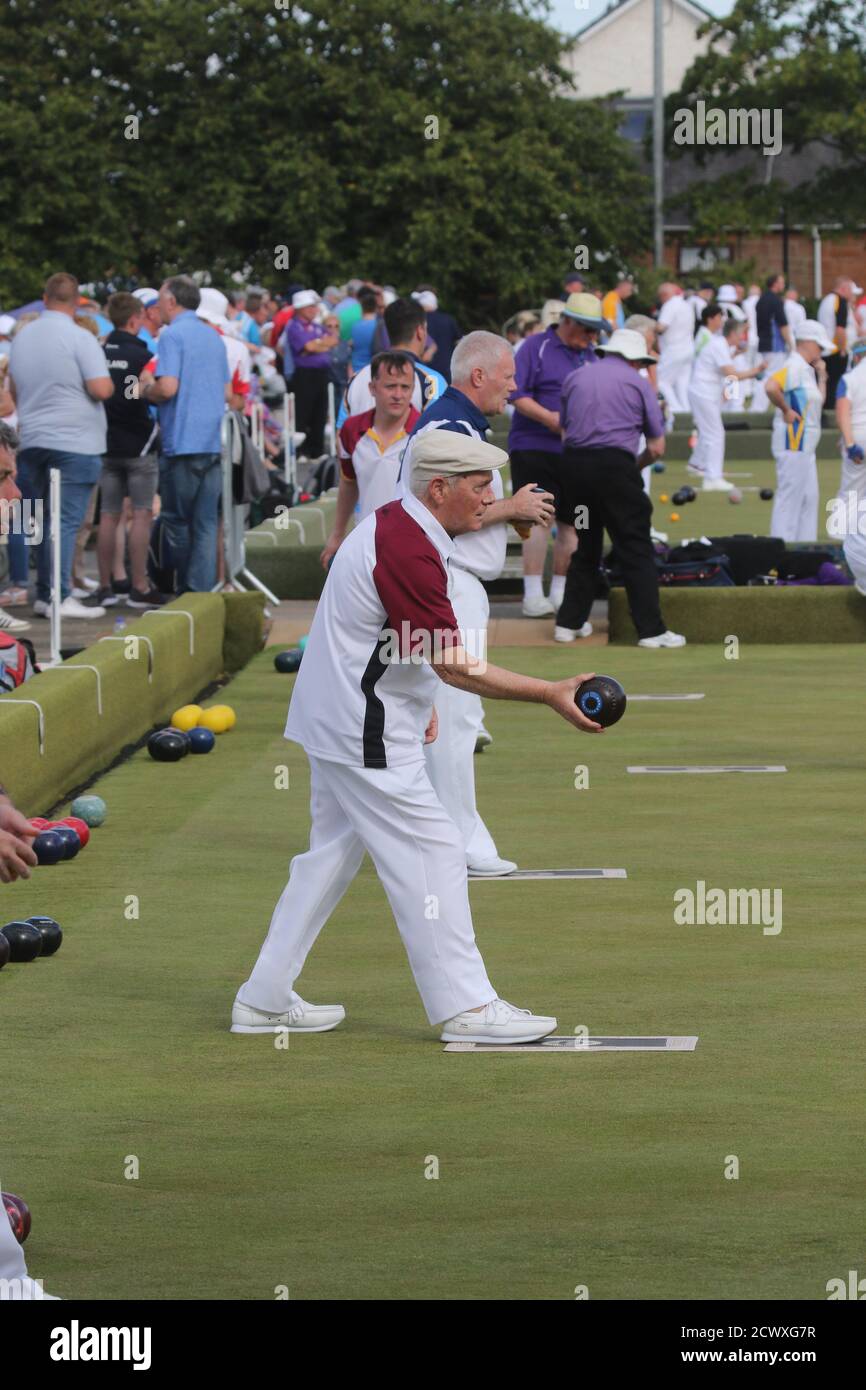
(618, 8)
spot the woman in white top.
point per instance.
(797, 390)
(713, 375)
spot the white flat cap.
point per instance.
(443, 453)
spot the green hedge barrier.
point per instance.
(78, 741)
(759, 615)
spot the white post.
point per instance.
(332, 420)
(290, 439)
(54, 495)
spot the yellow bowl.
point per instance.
(186, 717)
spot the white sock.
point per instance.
(532, 586)
(557, 589)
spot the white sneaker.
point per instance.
(661, 536)
(538, 607)
(497, 1022)
(41, 608)
(73, 608)
(717, 485)
(300, 1018)
(664, 639)
(490, 868)
(696, 470)
(10, 624)
(571, 634)
(87, 586)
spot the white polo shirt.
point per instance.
(675, 344)
(707, 380)
(365, 690)
(365, 461)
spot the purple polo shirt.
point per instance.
(609, 405)
(540, 367)
(298, 334)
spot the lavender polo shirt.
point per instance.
(540, 368)
(298, 334)
(608, 405)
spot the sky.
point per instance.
(571, 15)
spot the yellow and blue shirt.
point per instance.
(800, 388)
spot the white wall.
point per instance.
(620, 55)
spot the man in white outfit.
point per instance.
(482, 378)
(363, 705)
(676, 328)
(714, 372)
(798, 391)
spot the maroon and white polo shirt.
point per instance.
(365, 690)
(364, 459)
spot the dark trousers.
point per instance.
(607, 482)
(837, 366)
(310, 385)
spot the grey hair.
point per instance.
(420, 480)
(478, 349)
(8, 436)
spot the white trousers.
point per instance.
(774, 361)
(451, 757)
(393, 814)
(673, 376)
(709, 452)
(795, 505)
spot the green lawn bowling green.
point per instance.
(305, 1167)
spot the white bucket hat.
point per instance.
(811, 331)
(628, 343)
(213, 307)
(304, 299)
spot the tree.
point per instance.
(805, 60)
(432, 140)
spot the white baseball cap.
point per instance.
(148, 295)
(811, 331)
(727, 295)
(304, 299)
(7, 324)
(628, 343)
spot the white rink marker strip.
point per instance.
(730, 767)
(548, 873)
(631, 698)
(554, 1044)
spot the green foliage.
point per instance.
(804, 58)
(304, 126)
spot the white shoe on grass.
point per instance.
(490, 868)
(717, 485)
(497, 1022)
(300, 1018)
(538, 608)
(571, 634)
(664, 639)
(75, 608)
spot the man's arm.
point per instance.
(464, 672)
(533, 411)
(654, 449)
(157, 392)
(347, 500)
(99, 388)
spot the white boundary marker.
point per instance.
(83, 666)
(666, 697)
(175, 613)
(7, 700)
(547, 873)
(137, 637)
(556, 1045)
(728, 767)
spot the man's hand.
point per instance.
(791, 416)
(560, 696)
(332, 545)
(432, 730)
(854, 453)
(820, 368)
(17, 857)
(531, 506)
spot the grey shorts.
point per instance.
(136, 478)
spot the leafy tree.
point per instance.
(804, 58)
(310, 127)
